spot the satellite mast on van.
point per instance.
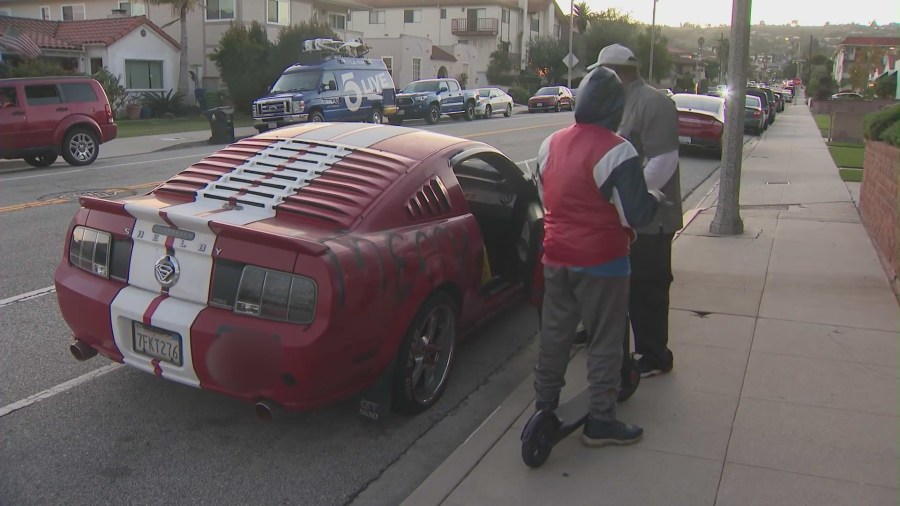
(354, 48)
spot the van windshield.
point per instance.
(305, 80)
(421, 86)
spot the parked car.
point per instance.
(701, 120)
(45, 117)
(768, 101)
(788, 96)
(306, 265)
(551, 98)
(491, 100)
(432, 98)
(325, 88)
(847, 95)
(754, 115)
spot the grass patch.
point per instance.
(847, 157)
(138, 127)
(851, 175)
(823, 121)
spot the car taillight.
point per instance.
(89, 250)
(109, 114)
(264, 293)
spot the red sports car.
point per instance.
(701, 120)
(303, 265)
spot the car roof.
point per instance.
(361, 161)
(46, 78)
(340, 63)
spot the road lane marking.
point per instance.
(34, 294)
(98, 167)
(58, 389)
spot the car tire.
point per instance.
(488, 112)
(394, 120)
(433, 114)
(431, 337)
(376, 116)
(80, 147)
(469, 115)
(508, 112)
(558, 108)
(41, 160)
(316, 117)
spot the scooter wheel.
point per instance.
(536, 448)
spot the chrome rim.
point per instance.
(317, 119)
(82, 147)
(435, 114)
(488, 112)
(508, 109)
(431, 352)
(376, 117)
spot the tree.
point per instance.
(242, 58)
(662, 59)
(181, 8)
(863, 65)
(499, 67)
(547, 55)
(286, 50)
(608, 27)
(582, 16)
(886, 86)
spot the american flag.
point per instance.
(15, 40)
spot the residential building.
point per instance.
(410, 58)
(486, 25)
(849, 49)
(132, 47)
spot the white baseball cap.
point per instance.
(615, 54)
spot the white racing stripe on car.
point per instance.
(327, 132)
(370, 136)
(178, 315)
(129, 306)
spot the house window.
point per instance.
(412, 16)
(376, 17)
(143, 74)
(133, 8)
(45, 13)
(389, 63)
(480, 13)
(72, 12)
(464, 42)
(279, 12)
(219, 9)
(504, 15)
(443, 13)
(416, 69)
(337, 21)
(96, 65)
(5, 11)
(535, 24)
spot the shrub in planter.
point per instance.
(883, 125)
(161, 103)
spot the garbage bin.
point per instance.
(221, 123)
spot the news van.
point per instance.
(333, 82)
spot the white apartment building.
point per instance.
(486, 25)
(846, 53)
(410, 58)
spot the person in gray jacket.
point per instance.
(650, 122)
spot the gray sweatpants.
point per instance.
(601, 303)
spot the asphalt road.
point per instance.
(128, 437)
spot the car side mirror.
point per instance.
(443, 90)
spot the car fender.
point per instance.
(75, 120)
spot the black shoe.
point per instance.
(648, 367)
(604, 433)
(546, 405)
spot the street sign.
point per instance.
(570, 60)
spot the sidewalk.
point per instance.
(785, 387)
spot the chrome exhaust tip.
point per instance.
(265, 410)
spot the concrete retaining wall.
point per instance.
(879, 203)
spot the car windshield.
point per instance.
(304, 80)
(548, 90)
(484, 93)
(421, 86)
(686, 101)
(753, 102)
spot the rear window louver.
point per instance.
(430, 201)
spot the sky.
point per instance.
(773, 12)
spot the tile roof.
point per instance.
(439, 54)
(870, 41)
(73, 35)
(444, 3)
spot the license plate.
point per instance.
(400, 112)
(683, 139)
(273, 125)
(157, 343)
(539, 104)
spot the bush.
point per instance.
(519, 95)
(112, 85)
(286, 49)
(161, 103)
(883, 125)
(498, 71)
(243, 62)
(38, 68)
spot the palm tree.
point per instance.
(583, 16)
(181, 8)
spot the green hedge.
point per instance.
(883, 125)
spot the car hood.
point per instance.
(415, 94)
(542, 97)
(291, 95)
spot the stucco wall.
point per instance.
(149, 47)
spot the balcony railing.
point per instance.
(480, 26)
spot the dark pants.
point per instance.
(651, 276)
(600, 303)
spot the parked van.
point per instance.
(333, 87)
(44, 117)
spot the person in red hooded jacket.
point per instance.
(593, 191)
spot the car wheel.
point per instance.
(508, 111)
(376, 116)
(394, 120)
(42, 160)
(425, 356)
(316, 117)
(434, 114)
(558, 107)
(470, 112)
(488, 112)
(80, 147)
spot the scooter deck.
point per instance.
(573, 413)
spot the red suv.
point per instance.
(44, 117)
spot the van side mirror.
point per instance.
(443, 89)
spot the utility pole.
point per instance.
(652, 43)
(571, 33)
(727, 220)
